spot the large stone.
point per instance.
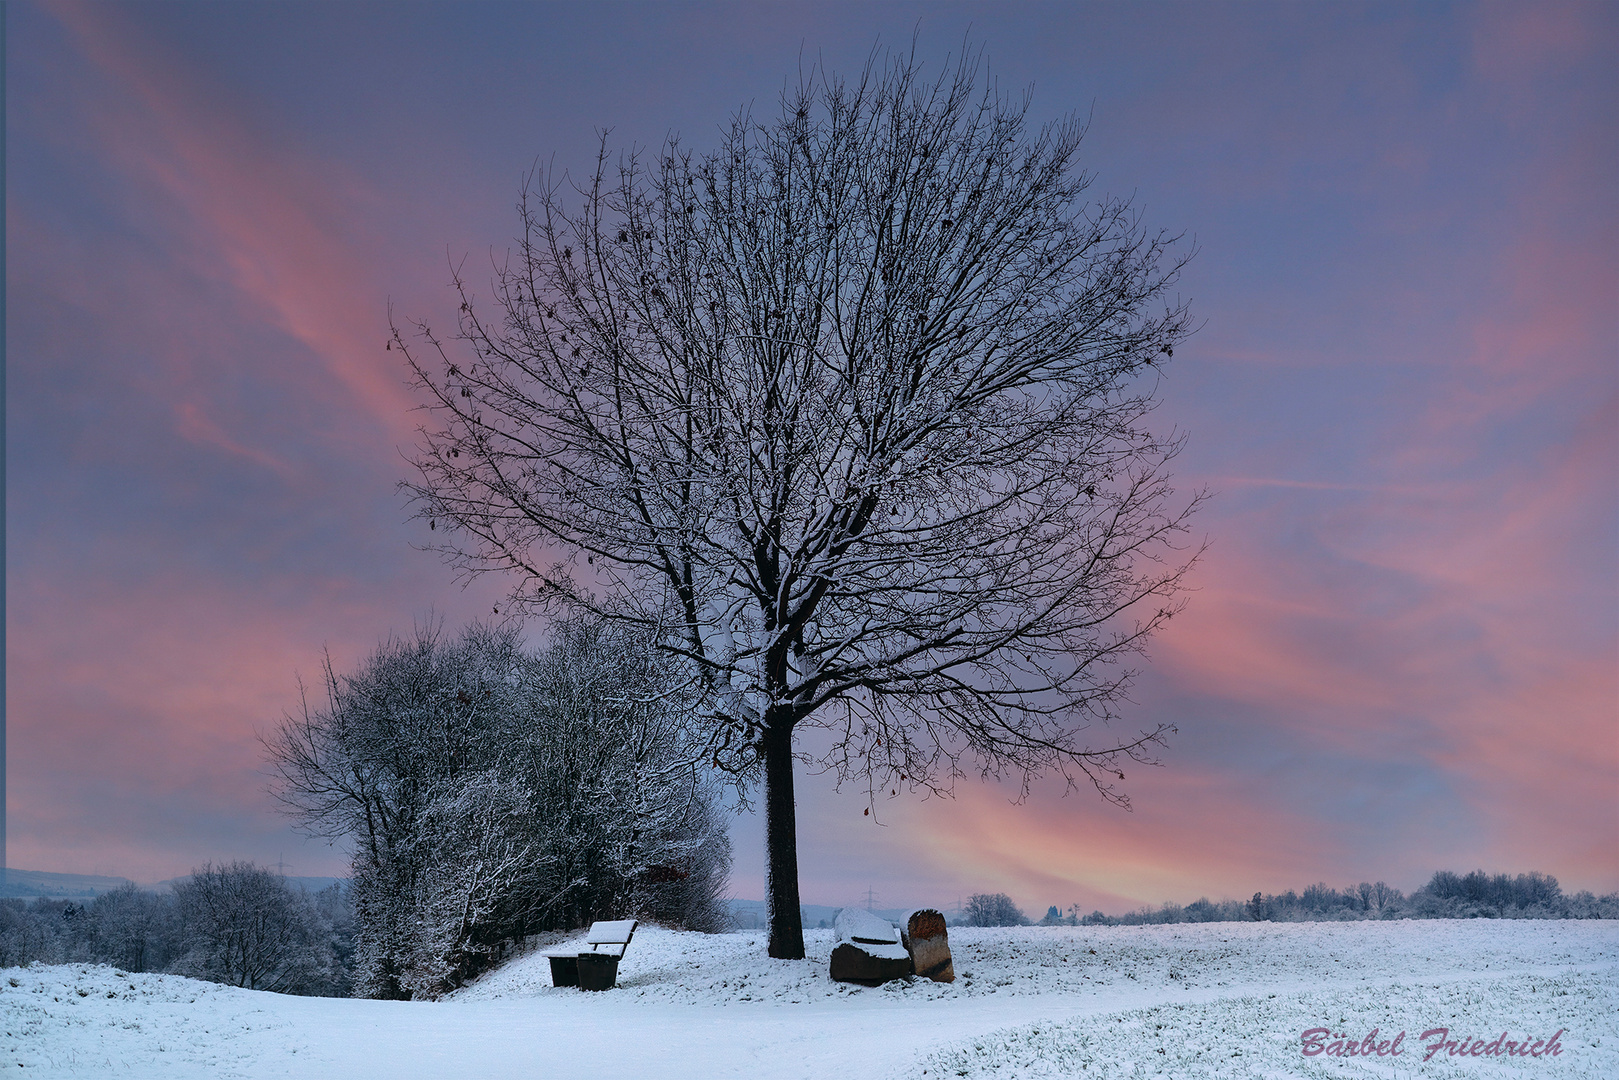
(871, 965)
(869, 949)
(928, 944)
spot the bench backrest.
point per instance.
(618, 932)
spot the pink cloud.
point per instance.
(136, 707)
(280, 227)
(1190, 835)
(1519, 45)
(195, 425)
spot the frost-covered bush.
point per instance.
(993, 909)
(492, 792)
(40, 930)
(245, 926)
(1585, 905)
(133, 929)
(1481, 895)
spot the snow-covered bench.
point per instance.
(598, 968)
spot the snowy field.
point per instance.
(1183, 1002)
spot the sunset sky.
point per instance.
(1401, 653)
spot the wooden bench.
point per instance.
(599, 970)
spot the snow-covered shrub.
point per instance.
(1446, 896)
(1586, 905)
(245, 926)
(1450, 895)
(40, 930)
(492, 792)
(993, 909)
(132, 929)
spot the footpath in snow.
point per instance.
(1183, 1001)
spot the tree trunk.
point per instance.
(781, 845)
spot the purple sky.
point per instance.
(1403, 650)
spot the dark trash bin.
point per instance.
(564, 970)
(597, 971)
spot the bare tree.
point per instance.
(132, 928)
(993, 909)
(851, 413)
(246, 926)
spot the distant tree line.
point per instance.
(238, 924)
(1446, 896)
(490, 791)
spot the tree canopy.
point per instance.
(850, 413)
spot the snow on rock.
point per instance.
(858, 924)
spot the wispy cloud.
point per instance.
(1222, 482)
(283, 228)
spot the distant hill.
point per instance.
(32, 883)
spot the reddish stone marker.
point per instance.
(928, 943)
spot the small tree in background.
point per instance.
(848, 415)
(335, 903)
(246, 926)
(993, 909)
(133, 929)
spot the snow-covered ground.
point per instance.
(1187, 1001)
